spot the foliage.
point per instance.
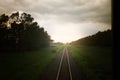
(20, 32)
(95, 62)
(98, 39)
(27, 65)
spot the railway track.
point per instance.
(64, 65)
(62, 68)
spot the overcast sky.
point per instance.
(64, 20)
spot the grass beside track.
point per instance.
(95, 62)
(26, 65)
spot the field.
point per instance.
(95, 62)
(26, 65)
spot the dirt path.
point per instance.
(62, 68)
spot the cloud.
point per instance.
(56, 14)
(66, 10)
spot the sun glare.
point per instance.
(66, 33)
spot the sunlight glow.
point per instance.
(67, 32)
(64, 20)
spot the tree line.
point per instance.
(99, 39)
(21, 32)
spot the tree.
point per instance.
(3, 30)
(23, 33)
(99, 39)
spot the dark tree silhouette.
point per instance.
(99, 39)
(20, 32)
(3, 30)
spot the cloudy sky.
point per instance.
(64, 20)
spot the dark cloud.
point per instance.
(81, 17)
(65, 10)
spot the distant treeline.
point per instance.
(99, 39)
(20, 32)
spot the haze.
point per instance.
(64, 20)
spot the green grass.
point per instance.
(95, 62)
(26, 65)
